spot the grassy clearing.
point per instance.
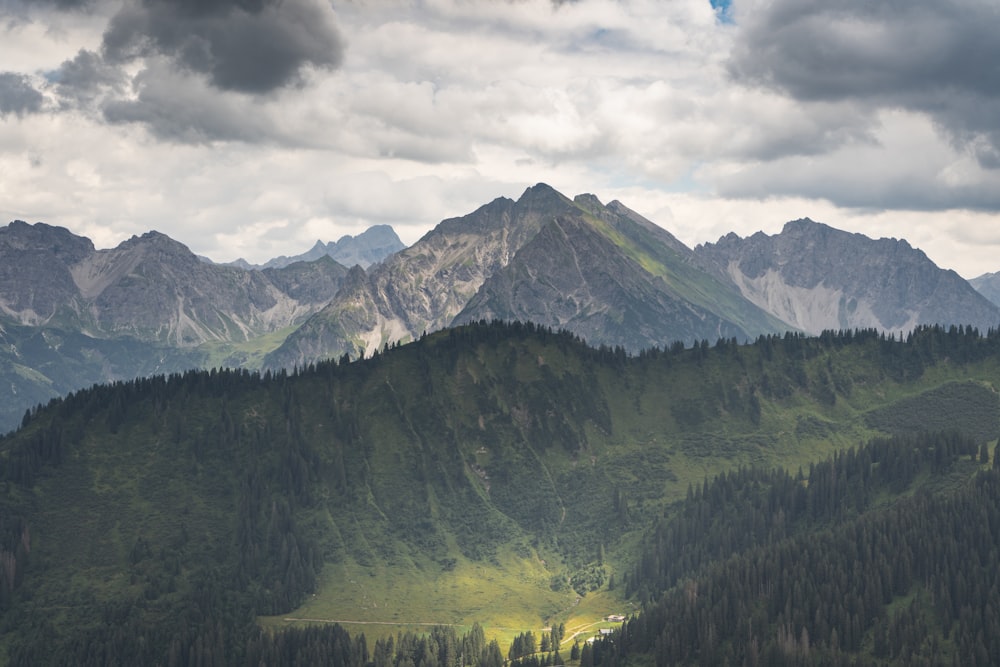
(506, 597)
(245, 354)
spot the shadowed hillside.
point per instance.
(493, 472)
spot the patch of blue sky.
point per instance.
(723, 10)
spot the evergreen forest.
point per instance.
(469, 498)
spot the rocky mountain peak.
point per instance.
(803, 225)
(35, 281)
(542, 196)
(158, 240)
(495, 215)
(588, 202)
(369, 247)
(816, 277)
(988, 285)
(58, 241)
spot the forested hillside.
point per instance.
(842, 566)
(496, 473)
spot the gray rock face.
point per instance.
(369, 247)
(423, 287)
(988, 285)
(150, 288)
(36, 285)
(605, 273)
(571, 277)
(815, 277)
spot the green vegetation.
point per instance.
(692, 284)
(242, 354)
(37, 363)
(842, 566)
(500, 475)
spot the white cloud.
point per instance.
(905, 165)
(441, 105)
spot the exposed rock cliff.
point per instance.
(150, 288)
(603, 272)
(815, 277)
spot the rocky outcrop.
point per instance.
(988, 285)
(150, 288)
(36, 284)
(815, 277)
(369, 247)
(603, 272)
(423, 287)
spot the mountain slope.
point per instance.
(36, 284)
(423, 287)
(480, 462)
(574, 276)
(603, 272)
(815, 277)
(988, 285)
(369, 247)
(72, 316)
(155, 289)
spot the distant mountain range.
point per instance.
(72, 315)
(601, 271)
(988, 285)
(367, 248)
(814, 277)
(150, 288)
(614, 278)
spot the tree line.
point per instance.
(840, 567)
(195, 594)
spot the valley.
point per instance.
(504, 476)
(481, 436)
(516, 333)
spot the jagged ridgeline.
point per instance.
(154, 521)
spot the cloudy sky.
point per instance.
(251, 128)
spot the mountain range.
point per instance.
(150, 288)
(72, 315)
(603, 272)
(367, 248)
(613, 277)
(814, 278)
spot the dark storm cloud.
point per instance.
(251, 46)
(933, 56)
(86, 76)
(181, 109)
(17, 95)
(16, 7)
